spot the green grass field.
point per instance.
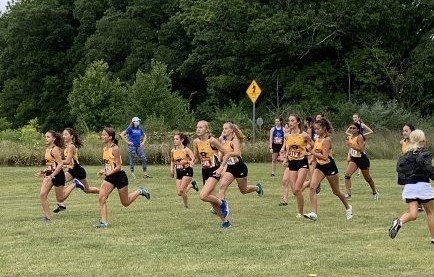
(161, 238)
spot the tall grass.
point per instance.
(381, 145)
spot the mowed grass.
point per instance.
(161, 238)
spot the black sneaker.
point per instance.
(59, 209)
(226, 225)
(394, 228)
(259, 190)
(282, 203)
(194, 185)
(144, 192)
(318, 189)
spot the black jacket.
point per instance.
(415, 166)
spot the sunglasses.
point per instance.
(352, 128)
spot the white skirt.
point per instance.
(420, 190)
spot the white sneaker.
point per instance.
(298, 215)
(375, 195)
(349, 212)
(311, 216)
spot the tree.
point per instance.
(35, 36)
(96, 100)
(151, 96)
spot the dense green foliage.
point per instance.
(92, 63)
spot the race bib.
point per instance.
(108, 168)
(293, 154)
(232, 161)
(206, 163)
(49, 168)
(278, 140)
(355, 153)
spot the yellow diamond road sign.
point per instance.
(253, 91)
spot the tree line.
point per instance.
(92, 63)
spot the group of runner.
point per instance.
(60, 169)
(306, 156)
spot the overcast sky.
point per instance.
(3, 5)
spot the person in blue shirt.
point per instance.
(276, 142)
(136, 138)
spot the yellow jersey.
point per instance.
(295, 146)
(50, 162)
(404, 146)
(318, 148)
(208, 155)
(353, 142)
(228, 146)
(74, 157)
(180, 158)
(109, 159)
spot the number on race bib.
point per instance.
(278, 140)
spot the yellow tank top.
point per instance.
(295, 146)
(227, 145)
(74, 157)
(109, 159)
(353, 142)
(208, 156)
(180, 158)
(50, 162)
(318, 148)
(404, 146)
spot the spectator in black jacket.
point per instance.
(415, 169)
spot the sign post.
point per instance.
(253, 91)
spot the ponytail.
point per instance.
(76, 140)
(58, 140)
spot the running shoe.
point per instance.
(375, 195)
(101, 225)
(348, 196)
(311, 216)
(394, 228)
(146, 176)
(78, 184)
(226, 225)
(259, 190)
(144, 192)
(349, 213)
(318, 189)
(224, 207)
(59, 208)
(46, 220)
(212, 210)
(194, 185)
(283, 203)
